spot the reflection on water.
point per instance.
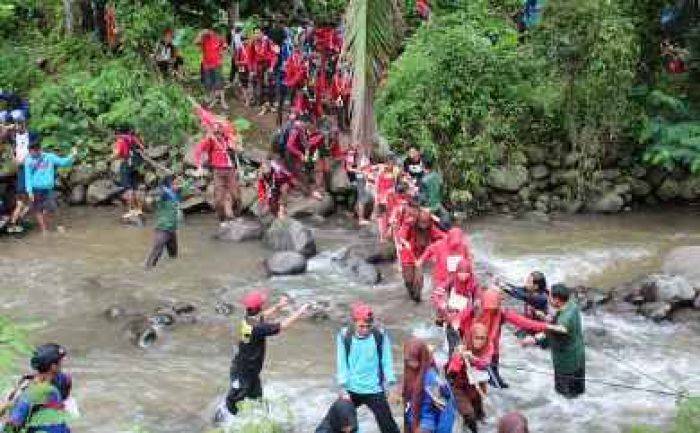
(66, 281)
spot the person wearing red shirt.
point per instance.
(219, 148)
(297, 144)
(295, 73)
(385, 185)
(493, 317)
(128, 149)
(274, 183)
(423, 9)
(212, 46)
(415, 235)
(263, 58)
(451, 248)
(466, 373)
(319, 152)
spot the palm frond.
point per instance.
(372, 33)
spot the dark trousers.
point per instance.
(163, 239)
(242, 386)
(570, 385)
(379, 406)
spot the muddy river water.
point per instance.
(63, 284)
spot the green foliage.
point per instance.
(141, 24)
(18, 72)
(326, 11)
(263, 416)
(13, 344)
(456, 92)
(687, 419)
(84, 107)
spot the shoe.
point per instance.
(15, 229)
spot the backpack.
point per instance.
(378, 338)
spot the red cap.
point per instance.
(362, 312)
(254, 300)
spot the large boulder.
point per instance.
(78, 195)
(610, 202)
(536, 155)
(102, 191)
(668, 190)
(539, 171)
(685, 262)
(690, 188)
(508, 178)
(639, 188)
(240, 230)
(286, 263)
(287, 234)
(374, 252)
(158, 152)
(308, 206)
(82, 175)
(672, 289)
(360, 271)
(657, 311)
(568, 177)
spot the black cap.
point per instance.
(46, 355)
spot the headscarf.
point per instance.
(512, 422)
(417, 350)
(341, 415)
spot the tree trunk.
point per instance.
(68, 16)
(234, 7)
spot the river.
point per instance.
(63, 283)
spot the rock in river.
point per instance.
(286, 263)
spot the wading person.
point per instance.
(166, 215)
(568, 350)
(254, 329)
(414, 236)
(428, 399)
(22, 139)
(365, 366)
(39, 407)
(40, 179)
(468, 376)
(450, 249)
(535, 297)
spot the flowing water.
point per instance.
(64, 283)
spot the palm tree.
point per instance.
(373, 30)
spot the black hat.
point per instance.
(46, 355)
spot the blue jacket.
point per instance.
(432, 418)
(359, 372)
(40, 171)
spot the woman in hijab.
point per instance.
(341, 418)
(428, 400)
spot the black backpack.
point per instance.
(378, 338)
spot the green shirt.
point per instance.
(431, 190)
(166, 215)
(568, 351)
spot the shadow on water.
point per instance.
(66, 282)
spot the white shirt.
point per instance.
(21, 146)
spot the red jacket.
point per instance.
(316, 141)
(438, 253)
(409, 233)
(216, 150)
(212, 48)
(502, 316)
(297, 142)
(269, 186)
(295, 71)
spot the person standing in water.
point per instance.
(365, 366)
(166, 215)
(40, 406)
(535, 297)
(568, 350)
(428, 400)
(254, 329)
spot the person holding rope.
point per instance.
(568, 350)
(535, 297)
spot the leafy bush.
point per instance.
(18, 72)
(84, 107)
(13, 344)
(456, 93)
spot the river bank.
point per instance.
(172, 387)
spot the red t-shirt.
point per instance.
(212, 47)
